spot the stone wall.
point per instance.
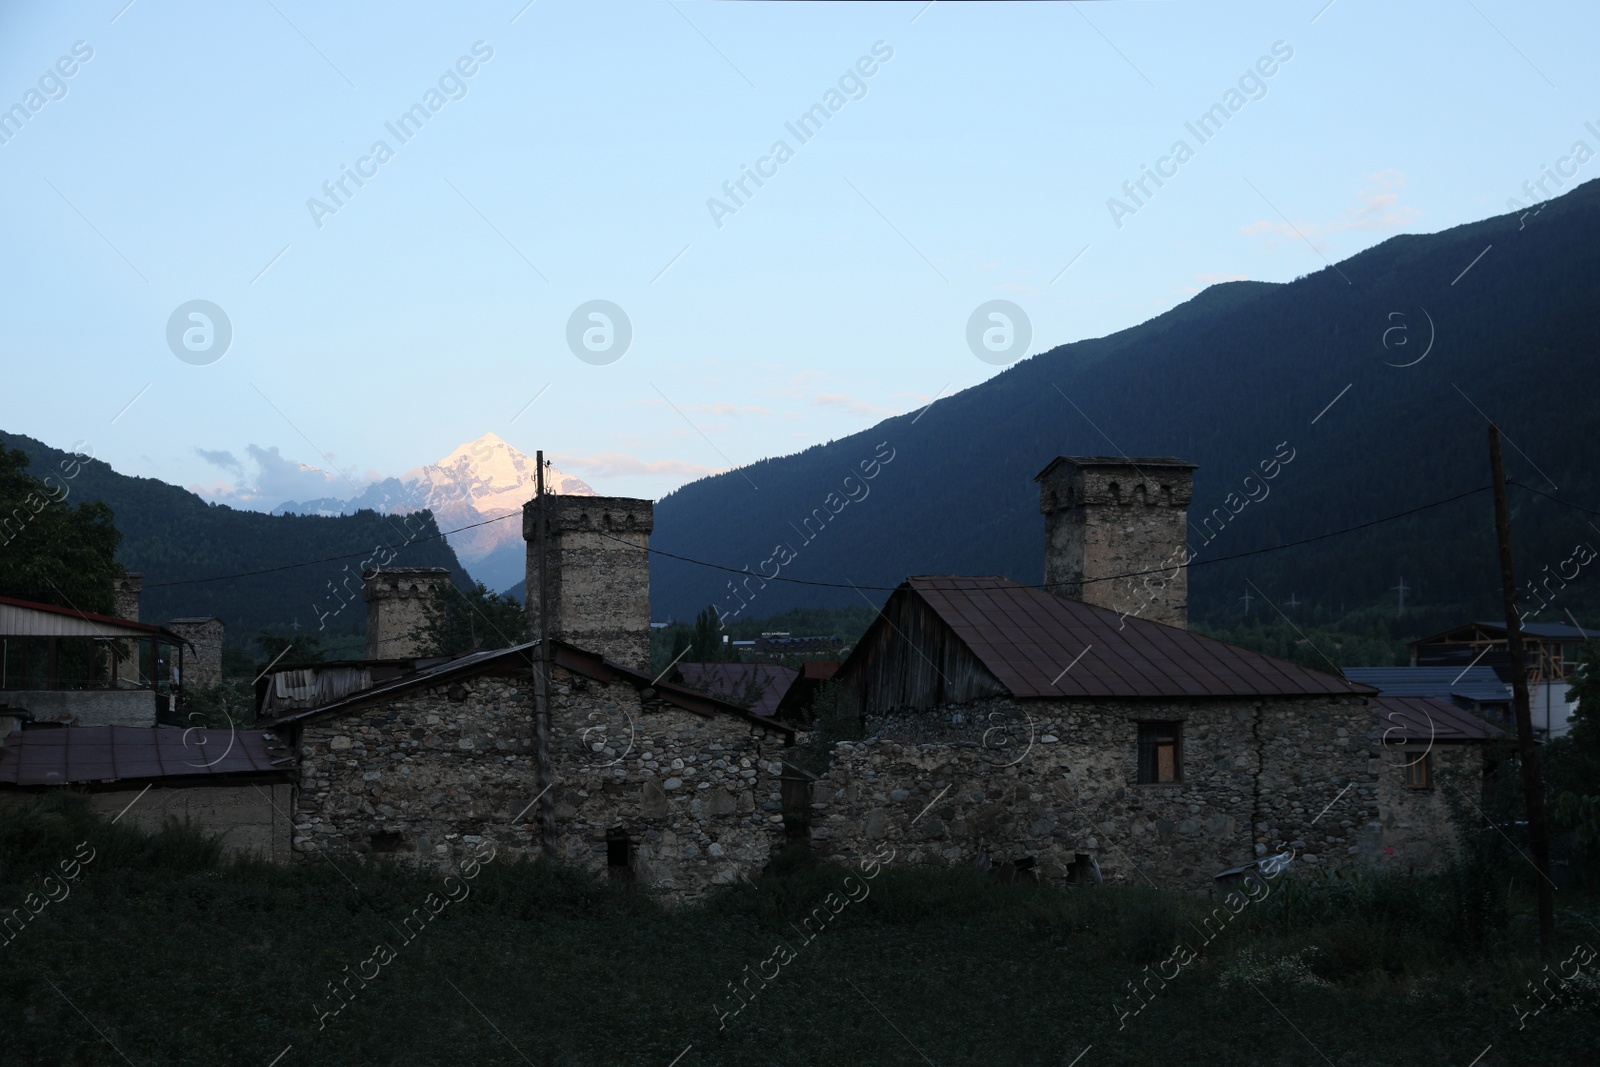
(398, 601)
(598, 563)
(1105, 519)
(251, 820)
(1418, 836)
(202, 664)
(88, 707)
(644, 791)
(1057, 780)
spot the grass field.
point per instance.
(152, 952)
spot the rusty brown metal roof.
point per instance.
(1425, 719)
(1040, 645)
(81, 754)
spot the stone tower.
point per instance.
(126, 593)
(202, 665)
(599, 567)
(1110, 515)
(398, 599)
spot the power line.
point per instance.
(1107, 578)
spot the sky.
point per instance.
(198, 291)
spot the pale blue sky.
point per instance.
(433, 306)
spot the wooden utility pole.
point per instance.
(1532, 781)
(542, 679)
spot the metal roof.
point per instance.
(1161, 462)
(1479, 684)
(1041, 645)
(522, 656)
(1424, 719)
(25, 618)
(1547, 631)
(732, 681)
(80, 754)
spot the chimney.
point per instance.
(598, 560)
(126, 596)
(1112, 515)
(398, 599)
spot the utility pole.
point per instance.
(1402, 589)
(1247, 598)
(541, 680)
(1532, 781)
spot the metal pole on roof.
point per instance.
(542, 678)
(1532, 782)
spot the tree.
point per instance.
(1573, 762)
(706, 645)
(51, 551)
(301, 648)
(475, 619)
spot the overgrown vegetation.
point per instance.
(164, 954)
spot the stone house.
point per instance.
(1063, 731)
(649, 781)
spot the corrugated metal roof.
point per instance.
(65, 755)
(731, 681)
(1479, 683)
(1028, 639)
(1425, 719)
(24, 618)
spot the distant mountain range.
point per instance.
(483, 479)
(1379, 374)
(190, 552)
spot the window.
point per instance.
(1415, 768)
(1158, 753)
(619, 856)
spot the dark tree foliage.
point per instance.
(295, 648)
(475, 619)
(173, 536)
(53, 550)
(1572, 762)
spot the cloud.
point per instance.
(1379, 209)
(848, 403)
(728, 409)
(621, 465)
(225, 460)
(276, 479)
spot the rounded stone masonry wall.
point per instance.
(1057, 782)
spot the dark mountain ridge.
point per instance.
(1226, 380)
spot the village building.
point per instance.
(428, 760)
(1066, 732)
(1550, 650)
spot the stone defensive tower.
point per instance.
(126, 592)
(1111, 515)
(398, 599)
(202, 663)
(598, 561)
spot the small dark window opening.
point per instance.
(456, 693)
(384, 841)
(619, 856)
(1159, 753)
(1083, 870)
